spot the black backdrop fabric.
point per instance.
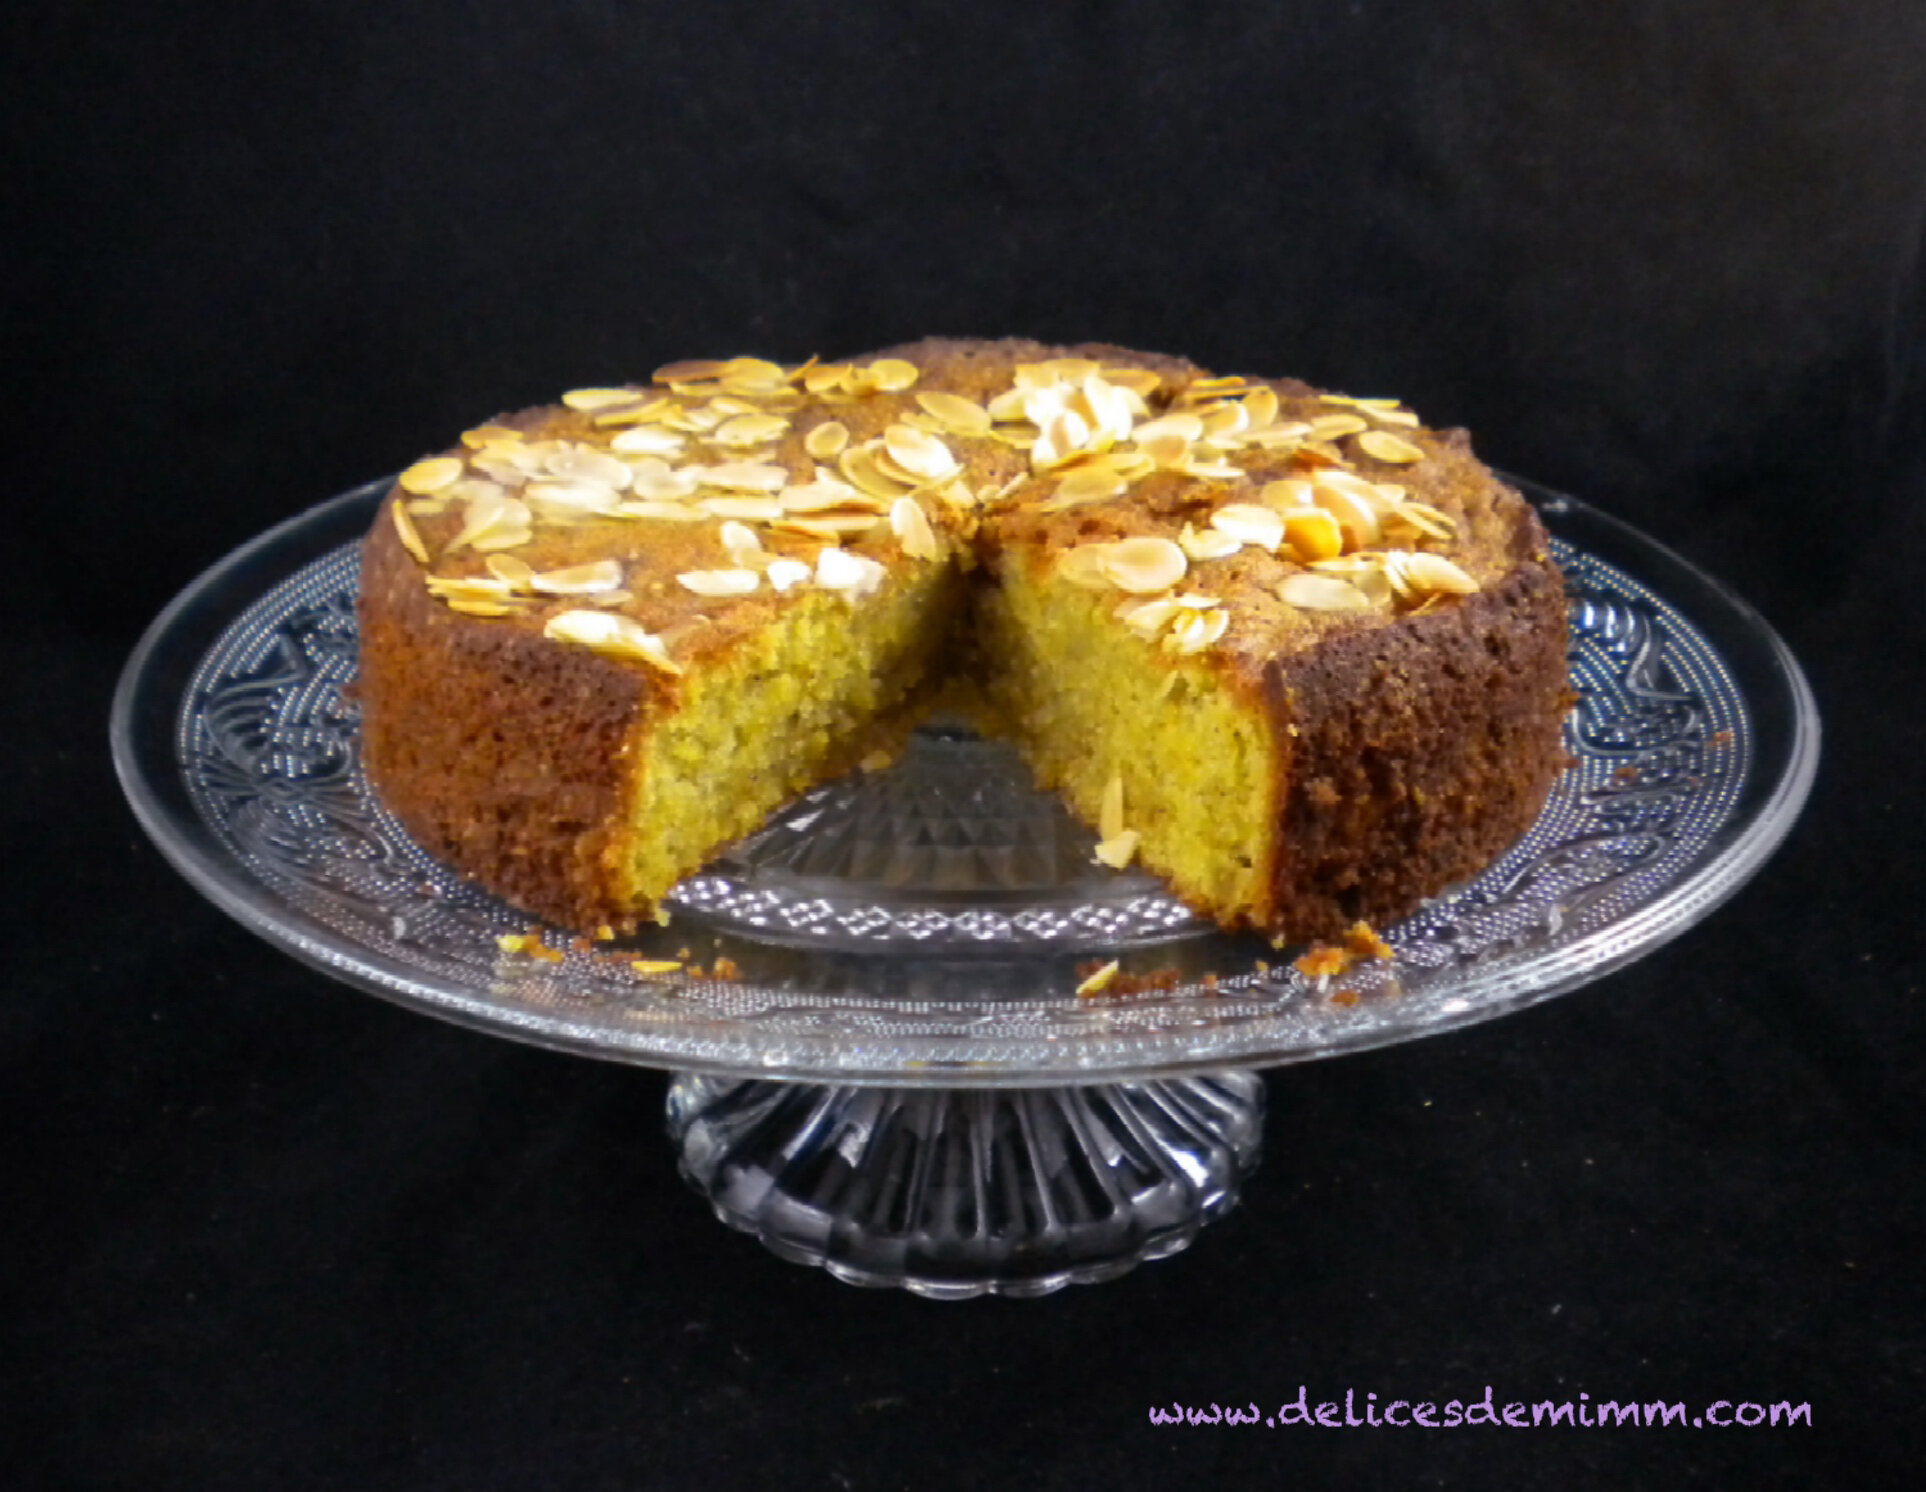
(266, 1232)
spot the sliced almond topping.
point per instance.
(827, 440)
(739, 540)
(1403, 417)
(483, 436)
(1095, 483)
(1211, 544)
(1382, 445)
(573, 498)
(1321, 593)
(1337, 426)
(1147, 619)
(922, 455)
(1083, 566)
(591, 400)
(1356, 517)
(890, 375)
(666, 512)
(1434, 574)
(490, 515)
(693, 371)
(512, 572)
(1118, 851)
(858, 464)
(719, 582)
(580, 580)
(1261, 405)
(431, 475)
(749, 430)
(826, 492)
(1143, 382)
(1144, 565)
(752, 375)
(826, 378)
(406, 531)
(503, 536)
(611, 635)
(911, 525)
(1312, 533)
(1293, 492)
(783, 574)
(743, 476)
(758, 509)
(1193, 631)
(955, 413)
(1250, 524)
(1427, 520)
(479, 608)
(648, 440)
(855, 574)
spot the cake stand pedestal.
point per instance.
(882, 1063)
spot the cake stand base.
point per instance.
(955, 1193)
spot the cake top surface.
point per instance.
(656, 523)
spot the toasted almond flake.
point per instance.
(664, 512)
(1103, 978)
(1061, 436)
(428, 507)
(1356, 517)
(483, 436)
(1147, 619)
(742, 476)
(406, 531)
(1427, 520)
(757, 509)
(1261, 405)
(591, 400)
(827, 440)
(739, 540)
(1248, 523)
(1086, 484)
(1292, 492)
(956, 414)
(1194, 631)
(1337, 426)
(911, 525)
(1144, 564)
(1110, 812)
(719, 582)
(611, 635)
(512, 572)
(1312, 533)
(1436, 575)
(858, 464)
(1369, 573)
(1402, 417)
(503, 537)
(1382, 445)
(919, 453)
(581, 497)
(694, 371)
(827, 492)
(478, 608)
(580, 580)
(1225, 419)
(488, 514)
(826, 378)
(1143, 382)
(1083, 566)
(749, 430)
(648, 440)
(1312, 592)
(855, 574)
(891, 375)
(1211, 544)
(783, 574)
(647, 966)
(430, 475)
(468, 587)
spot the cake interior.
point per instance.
(795, 702)
(1088, 703)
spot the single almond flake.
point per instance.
(1225, 419)
(783, 574)
(1427, 520)
(611, 635)
(911, 525)
(1082, 485)
(719, 582)
(826, 378)
(512, 572)
(1248, 523)
(590, 400)
(1195, 631)
(1312, 533)
(695, 371)
(479, 608)
(579, 580)
(1144, 564)
(1143, 382)
(743, 476)
(579, 463)
(648, 966)
(1147, 619)
(1110, 812)
(648, 440)
(749, 375)
(1292, 492)
(1382, 445)
(739, 539)
(665, 512)
(955, 413)
(757, 509)
(1083, 566)
(858, 465)
(827, 440)
(580, 498)
(1402, 417)
(1436, 575)
(483, 436)
(1261, 405)
(827, 492)
(487, 515)
(406, 531)
(1357, 517)
(891, 375)
(430, 475)
(854, 574)
(468, 588)
(922, 455)
(1211, 544)
(1337, 426)
(831, 526)
(1104, 977)
(1311, 592)
(749, 430)
(503, 536)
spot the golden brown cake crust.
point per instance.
(1414, 741)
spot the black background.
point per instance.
(263, 1232)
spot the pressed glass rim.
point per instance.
(991, 1015)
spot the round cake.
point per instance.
(1292, 651)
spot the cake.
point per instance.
(1290, 650)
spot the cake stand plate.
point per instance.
(882, 1063)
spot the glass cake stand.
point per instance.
(881, 1063)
